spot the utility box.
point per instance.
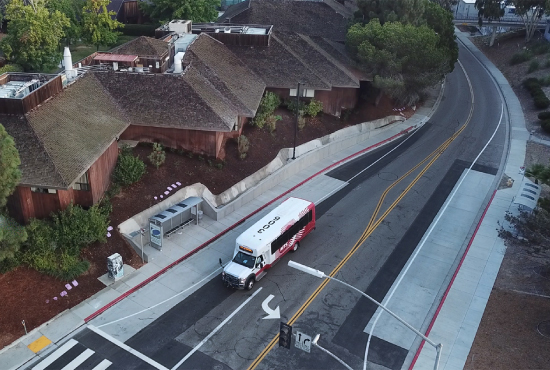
(115, 266)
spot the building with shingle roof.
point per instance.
(67, 147)
(313, 18)
(231, 76)
(157, 55)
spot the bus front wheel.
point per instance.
(296, 246)
(249, 283)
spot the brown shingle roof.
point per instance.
(75, 128)
(187, 102)
(313, 18)
(339, 53)
(278, 67)
(142, 46)
(37, 168)
(326, 67)
(227, 73)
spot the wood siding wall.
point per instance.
(130, 13)
(337, 99)
(25, 204)
(201, 142)
(151, 61)
(333, 100)
(31, 101)
(99, 174)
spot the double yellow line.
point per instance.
(372, 225)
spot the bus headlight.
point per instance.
(242, 281)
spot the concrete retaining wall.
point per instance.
(275, 172)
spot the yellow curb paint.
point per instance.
(39, 344)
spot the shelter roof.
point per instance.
(230, 76)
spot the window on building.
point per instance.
(304, 93)
(82, 183)
(43, 190)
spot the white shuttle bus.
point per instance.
(269, 239)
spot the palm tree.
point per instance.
(539, 172)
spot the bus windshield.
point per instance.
(244, 259)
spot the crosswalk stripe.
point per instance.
(103, 365)
(79, 359)
(55, 355)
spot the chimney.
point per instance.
(68, 62)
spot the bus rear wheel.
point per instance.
(249, 283)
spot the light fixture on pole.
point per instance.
(321, 275)
(297, 118)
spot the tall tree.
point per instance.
(33, 34)
(73, 11)
(404, 59)
(194, 10)
(446, 4)
(530, 12)
(404, 11)
(12, 235)
(10, 175)
(441, 21)
(98, 27)
(489, 10)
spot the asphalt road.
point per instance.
(336, 313)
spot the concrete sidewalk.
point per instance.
(179, 269)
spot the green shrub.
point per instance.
(301, 120)
(128, 170)
(12, 236)
(522, 56)
(531, 84)
(293, 106)
(533, 66)
(139, 30)
(313, 108)
(75, 227)
(268, 104)
(114, 190)
(541, 48)
(545, 126)
(11, 68)
(157, 156)
(243, 145)
(544, 115)
(544, 81)
(541, 102)
(8, 264)
(271, 122)
(53, 247)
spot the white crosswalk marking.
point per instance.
(79, 359)
(55, 355)
(103, 365)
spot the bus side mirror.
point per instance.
(221, 264)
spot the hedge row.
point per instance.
(139, 29)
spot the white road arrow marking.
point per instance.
(271, 314)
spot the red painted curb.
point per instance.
(451, 283)
(156, 275)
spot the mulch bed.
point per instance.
(24, 291)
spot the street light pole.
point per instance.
(297, 118)
(314, 342)
(321, 275)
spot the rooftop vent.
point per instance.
(179, 26)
